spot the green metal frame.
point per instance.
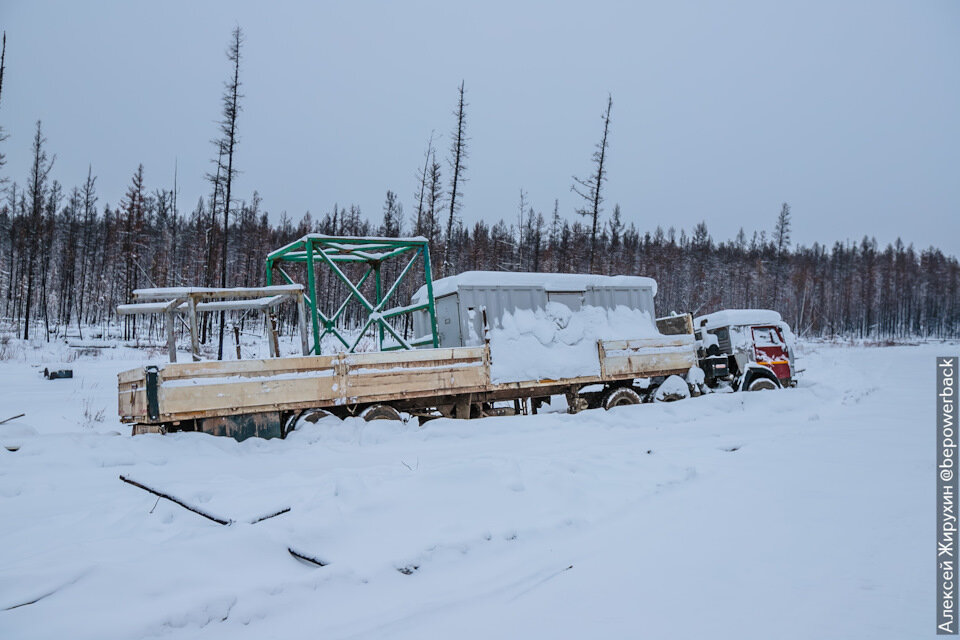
(330, 251)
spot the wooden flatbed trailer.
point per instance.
(243, 398)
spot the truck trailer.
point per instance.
(509, 342)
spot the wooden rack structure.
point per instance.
(190, 301)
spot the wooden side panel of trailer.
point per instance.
(647, 357)
(381, 377)
(210, 389)
(206, 389)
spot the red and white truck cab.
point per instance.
(752, 349)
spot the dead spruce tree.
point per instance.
(591, 188)
(3, 136)
(781, 237)
(421, 195)
(226, 146)
(458, 153)
(38, 194)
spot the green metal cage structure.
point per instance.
(321, 251)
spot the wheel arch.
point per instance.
(754, 371)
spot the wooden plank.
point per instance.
(209, 293)
(445, 354)
(132, 402)
(131, 375)
(241, 397)
(261, 367)
(439, 381)
(647, 343)
(546, 382)
(603, 358)
(242, 305)
(643, 366)
(144, 308)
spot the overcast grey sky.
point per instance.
(849, 111)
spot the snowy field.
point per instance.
(805, 513)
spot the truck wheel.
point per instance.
(761, 384)
(380, 412)
(619, 397)
(307, 415)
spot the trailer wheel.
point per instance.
(307, 415)
(290, 424)
(619, 397)
(380, 412)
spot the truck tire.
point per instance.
(761, 383)
(307, 415)
(619, 397)
(380, 412)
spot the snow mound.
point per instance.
(673, 388)
(709, 340)
(556, 342)
(696, 375)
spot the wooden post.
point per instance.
(272, 334)
(302, 318)
(171, 335)
(236, 337)
(192, 316)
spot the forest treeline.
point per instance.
(67, 262)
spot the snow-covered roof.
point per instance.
(549, 281)
(737, 317)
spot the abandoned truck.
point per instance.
(751, 349)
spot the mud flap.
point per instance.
(268, 424)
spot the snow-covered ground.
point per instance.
(805, 513)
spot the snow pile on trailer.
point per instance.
(463, 299)
(556, 342)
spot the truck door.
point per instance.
(770, 350)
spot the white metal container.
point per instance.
(461, 299)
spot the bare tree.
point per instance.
(89, 217)
(37, 192)
(458, 152)
(3, 136)
(781, 234)
(3, 61)
(228, 128)
(422, 177)
(591, 188)
(434, 199)
(521, 208)
(392, 223)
